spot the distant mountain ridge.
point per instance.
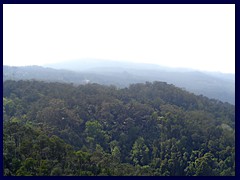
(121, 74)
(91, 64)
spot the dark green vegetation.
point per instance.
(146, 129)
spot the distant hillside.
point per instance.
(93, 64)
(121, 74)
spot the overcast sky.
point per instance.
(191, 36)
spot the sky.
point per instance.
(191, 36)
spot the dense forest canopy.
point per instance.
(144, 129)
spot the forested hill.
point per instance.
(213, 85)
(144, 129)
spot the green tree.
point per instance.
(140, 152)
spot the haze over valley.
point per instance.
(118, 90)
(121, 74)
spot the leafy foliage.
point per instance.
(146, 129)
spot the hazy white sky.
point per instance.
(192, 36)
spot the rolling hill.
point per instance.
(121, 74)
